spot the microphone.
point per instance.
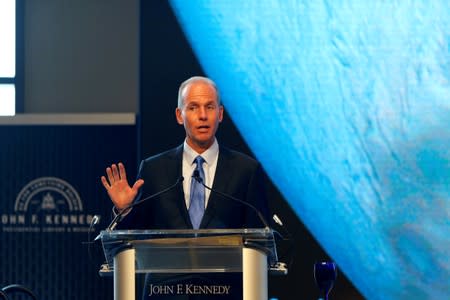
(95, 220)
(282, 268)
(277, 220)
(119, 217)
(196, 176)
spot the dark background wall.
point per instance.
(80, 56)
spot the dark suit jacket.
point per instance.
(237, 175)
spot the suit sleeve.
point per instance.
(257, 196)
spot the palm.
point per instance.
(120, 192)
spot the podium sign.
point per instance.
(250, 251)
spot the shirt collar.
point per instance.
(209, 155)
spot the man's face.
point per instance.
(200, 115)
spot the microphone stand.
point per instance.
(197, 177)
(119, 217)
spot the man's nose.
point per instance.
(202, 113)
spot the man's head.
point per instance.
(200, 111)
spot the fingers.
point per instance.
(137, 185)
(122, 173)
(110, 175)
(105, 183)
(115, 174)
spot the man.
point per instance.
(190, 206)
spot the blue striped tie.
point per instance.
(197, 204)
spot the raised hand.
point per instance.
(120, 192)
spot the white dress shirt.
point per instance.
(209, 166)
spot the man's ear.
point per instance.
(220, 113)
(178, 114)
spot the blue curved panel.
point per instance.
(347, 106)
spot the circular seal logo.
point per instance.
(48, 194)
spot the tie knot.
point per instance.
(199, 161)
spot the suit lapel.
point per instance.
(180, 201)
(219, 184)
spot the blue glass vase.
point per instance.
(325, 274)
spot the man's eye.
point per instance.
(211, 107)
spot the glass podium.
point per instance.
(250, 251)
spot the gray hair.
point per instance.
(195, 79)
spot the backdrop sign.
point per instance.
(49, 195)
(47, 204)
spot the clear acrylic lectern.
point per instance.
(250, 251)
